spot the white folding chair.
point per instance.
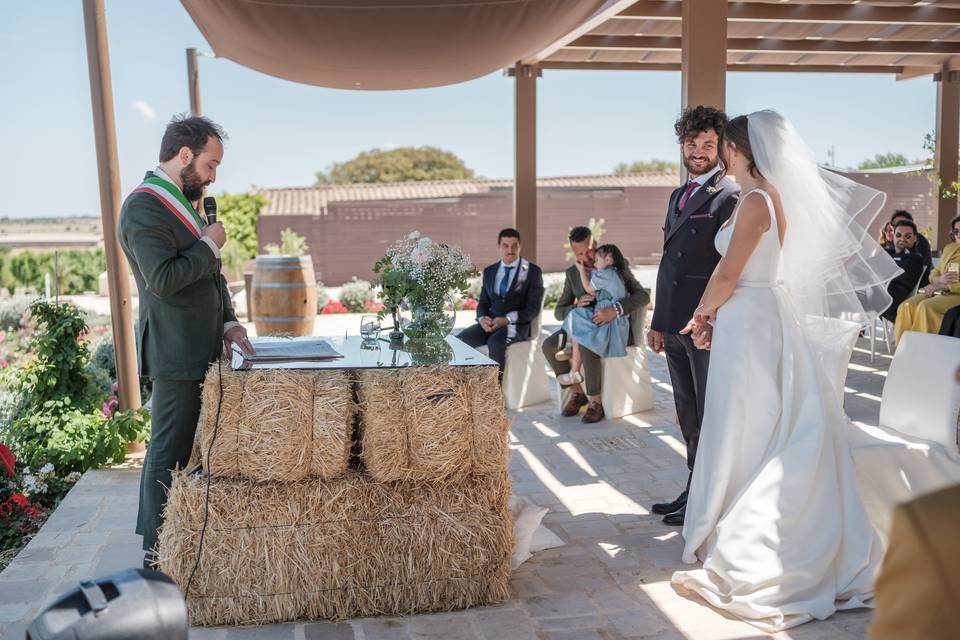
(914, 449)
(525, 381)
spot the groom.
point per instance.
(696, 212)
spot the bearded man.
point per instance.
(185, 312)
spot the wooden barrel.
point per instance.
(284, 295)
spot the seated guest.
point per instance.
(575, 296)
(885, 239)
(509, 300)
(951, 323)
(922, 247)
(903, 286)
(924, 312)
(917, 592)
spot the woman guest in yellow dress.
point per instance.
(924, 312)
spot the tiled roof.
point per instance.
(314, 200)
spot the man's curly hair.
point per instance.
(695, 120)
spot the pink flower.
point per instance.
(115, 387)
(107, 409)
(470, 304)
(3, 363)
(3, 336)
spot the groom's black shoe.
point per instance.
(676, 518)
(663, 508)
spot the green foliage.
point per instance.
(883, 160)
(291, 244)
(57, 372)
(76, 440)
(356, 294)
(597, 229)
(238, 213)
(646, 166)
(323, 296)
(234, 258)
(76, 270)
(405, 164)
(948, 190)
(552, 293)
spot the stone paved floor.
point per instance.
(610, 580)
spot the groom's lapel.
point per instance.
(696, 201)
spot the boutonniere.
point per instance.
(524, 266)
(711, 189)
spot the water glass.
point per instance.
(370, 327)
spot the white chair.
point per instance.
(914, 450)
(525, 381)
(627, 388)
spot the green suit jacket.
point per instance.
(182, 312)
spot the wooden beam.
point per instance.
(809, 13)
(911, 72)
(946, 156)
(731, 68)
(778, 45)
(108, 172)
(525, 155)
(703, 57)
(606, 12)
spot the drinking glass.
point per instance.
(370, 327)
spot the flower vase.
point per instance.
(429, 323)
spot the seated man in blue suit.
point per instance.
(509, 301)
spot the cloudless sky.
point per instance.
(282, 132)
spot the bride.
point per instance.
(773, 512)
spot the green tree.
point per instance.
(882, 160)
(646, 166)
(405, 164)
(239, 212)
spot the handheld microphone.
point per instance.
(210, 208)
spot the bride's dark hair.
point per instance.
(737, 133)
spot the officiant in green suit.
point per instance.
(185, 312)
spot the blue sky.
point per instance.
(281, 132)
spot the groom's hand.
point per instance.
(703, 337)
(655, 341)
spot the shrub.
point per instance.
(373, 306)
(356, 294)
(473, 290)
(323, 297)
(76, 270)
(552, 293)
(12, 310)
(470, 304)
(334, 306)
(291, 244)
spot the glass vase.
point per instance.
(428, 323)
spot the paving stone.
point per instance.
(13, 612)
(559, 605)
(328, 631)
(14, 592)
(265, 632)
(384, 629)
(513, 624)
(207, 633)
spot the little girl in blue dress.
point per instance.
(607, 340)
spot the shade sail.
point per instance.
(383, 44)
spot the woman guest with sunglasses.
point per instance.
(925, 311)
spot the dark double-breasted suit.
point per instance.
(689, 258)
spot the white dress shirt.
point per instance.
(702, 180)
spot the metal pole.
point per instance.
(525, 158)
(108, 171)
(193, 82)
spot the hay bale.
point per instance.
(276, 424)
(276, 552)
(429, 423)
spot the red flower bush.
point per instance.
(373, 306)
(9, 460)
(470, 304)
(333, 306)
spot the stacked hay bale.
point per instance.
(297, 528)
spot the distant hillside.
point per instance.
(80, 225)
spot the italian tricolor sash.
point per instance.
(171, 196)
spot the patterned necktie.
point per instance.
(505, 283)
(691, 186)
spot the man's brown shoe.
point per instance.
(594, 413)
(573, 405)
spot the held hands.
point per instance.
(217, 233)
(700, 327)
(492, 324)
(238, 335)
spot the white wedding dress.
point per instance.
(773, 511)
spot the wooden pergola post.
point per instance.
(948, 141)
(108, 170)
(703, 56)
(525, 155)
(193, 82)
